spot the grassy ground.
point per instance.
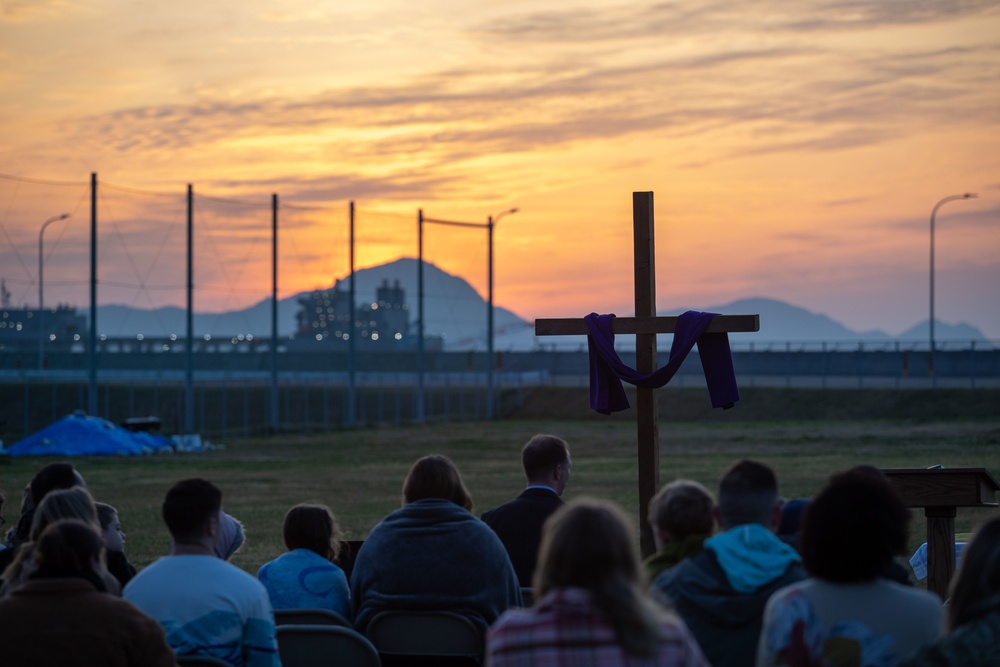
(359, 474)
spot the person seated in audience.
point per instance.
(846, 614)
(114, 541)
(62, 616)
(306, 577)
(972, 620)
(73, 503)
(791, 521)
(518, 522)
(50, 478)
(680, 515)
(206, 605)
(721, 592)
(433, 554)
(231, 537)
(592, 606)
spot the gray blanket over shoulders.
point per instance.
(433, 555)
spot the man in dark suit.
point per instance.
(518, 523)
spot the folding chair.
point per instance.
(443, 636)
(310, 617)
(325, 646)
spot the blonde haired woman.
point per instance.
(592, 608)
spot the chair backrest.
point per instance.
(319, 645)
(310, 617)
(425, 633)
(201, 661)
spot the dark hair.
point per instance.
(682, 508)
(312, 526)
(748, 493)
(51, 477)
(852, 530)
(542, 454)
(978, 576)
(590, 544)
(68, 548)
(435, 476)
(188, 506)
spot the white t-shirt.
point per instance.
(870, 623)
(208, 607)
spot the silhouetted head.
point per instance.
(853, 528)
(70, 548)
(313, 527)
(681, 508)
(435, 476)
(74, 503)
(189, 506)
(978, 578)
(546, 460)
(748, 493)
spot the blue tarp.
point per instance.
(80, 435)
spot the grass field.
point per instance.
(359, 474)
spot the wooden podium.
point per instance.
(940, 491)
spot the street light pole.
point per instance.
(491, 362)
(41, 289)
(967, 195)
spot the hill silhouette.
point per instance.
(455, 311)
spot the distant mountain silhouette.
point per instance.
(457, 312)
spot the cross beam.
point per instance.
(645, 325)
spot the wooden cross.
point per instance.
(645, 325)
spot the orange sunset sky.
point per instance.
(795, 149)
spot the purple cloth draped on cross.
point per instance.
(607, 370)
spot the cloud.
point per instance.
(22, 11)
(695, 19)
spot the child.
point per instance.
(114, 542)
(305, 577)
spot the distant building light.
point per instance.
(165, 348)
(240, 337)
(233, 340)
(208, 336)
(76, 336)
(374, 306)
(347, 336)
(30, 314)
(173, 336)
(104, 336)
(18, 327)
(374, 335)
(398, 336)
(406, 306)
(250, 336)
(371, 323)
(52, 337)
(139, 337)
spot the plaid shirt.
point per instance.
(565, 629)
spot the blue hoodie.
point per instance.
(721, 592)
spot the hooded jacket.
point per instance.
(721, 592)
